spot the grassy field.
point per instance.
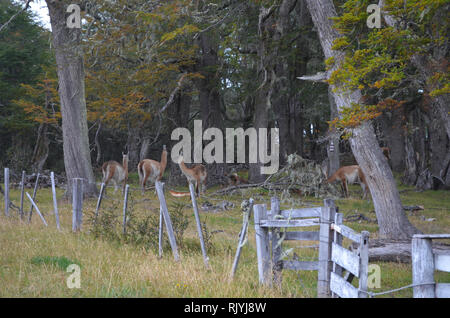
(33, 258)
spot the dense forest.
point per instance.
(336, 85)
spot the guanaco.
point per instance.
(152, 169)
(350, 175)
(196, 175)
(112, 170)
(235, 179)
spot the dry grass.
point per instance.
(113, 269)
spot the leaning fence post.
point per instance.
(77, 204)
(6, 191)
(325, 239)
(99, 201)
(125, 205)
(242, 237)
(161, 227)
(199, 225)
(22, 190)
(55, 203)
(276, 243)
(37, 210)
(36, 184)
(262, 245)
(422, 267)
(167, 220)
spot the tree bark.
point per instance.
(69, 60)
(392, 220)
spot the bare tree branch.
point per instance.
(27, 5)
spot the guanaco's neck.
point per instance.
(125, 166)
(163, 160)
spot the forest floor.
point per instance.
(34, 258)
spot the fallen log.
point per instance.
(397, 251)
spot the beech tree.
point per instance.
(71, 76)
(391, 218)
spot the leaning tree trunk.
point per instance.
(392, 219)
(69, 60)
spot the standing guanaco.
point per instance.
(350, 175)
(152, 169)
(112, 170)
(196, 175)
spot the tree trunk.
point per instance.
(210, 99)
(69, 60)
(333, 155)
(392, 220)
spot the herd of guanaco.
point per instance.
(152, 170)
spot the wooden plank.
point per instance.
(301, 213)
(6, 177)
(290, 223)
(302, 236)
(347, 232)
(433, 236)
(37, 210)
(442, 262)
(301, 265)
(262, 244)
(55, 202)
(345, 259)
(325, 238)
(443, 290)
(167, 220)
(199, 225)
(22, 192)
(342, 288)
(242, 238)
(422, 267)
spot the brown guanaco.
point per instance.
(152, 169)
(350, 175)
(196, 175)
(112, 170)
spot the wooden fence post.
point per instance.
(199, 225)
(168, 222)
(55, 203)
(125, 205)
(77, 204)
(161, 227)
(262, 245)
(276, 243)
(6, 175)
(325, 240)
(22, 192)
(363, 264)
(99, 201)
(36, 184)
(337, 239)
(242, 237)
(422, 267)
